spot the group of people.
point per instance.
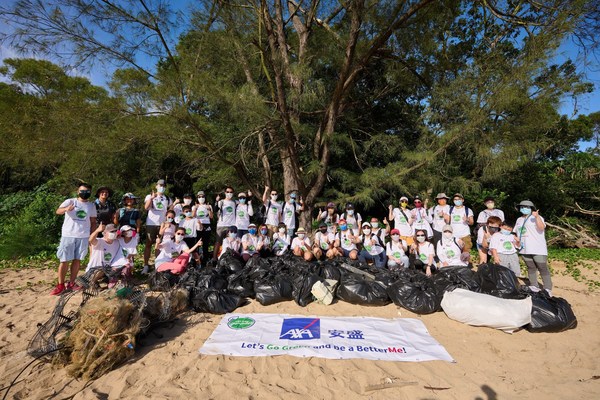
(422, 237)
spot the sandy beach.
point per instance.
(489, 364)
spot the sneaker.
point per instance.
(534, 289)
(145, 270)
(73, 286)
(58, 289)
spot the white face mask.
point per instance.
(350, 212)
(178, 238)
(396, 238)
(232, 235)
(169, 219)
(420, 239)
(366, 231)
(187, 202)
(301, 236)
(127, 234)
(111, 235)
(188, 214)
(201, 200)
(490, 205)
(228, 196)
(273, 197)
(282, 230)
(448, 235)
(160, 189)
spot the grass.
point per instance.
(580, 264)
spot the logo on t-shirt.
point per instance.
(229, 209)
(288, 213)
(456, 218)
(397, 254)
(159, 205)
(422, 257)
(507, 245)
(107, 256)
(324, 246)
(251, 248)
(81, 214)
(450, 253)
(241, 214)
(402, 220)
(201, 214)
(188, 231)
(523, 230)
(174, 254)
(273, 211)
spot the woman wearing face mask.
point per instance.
(396, 251)
(449, 249)
(422, 251)
(128, 240)
(329, 216)
(178, 206)
(157, 205)
(530, 229)
(192, 227)
(174, 254)
(484, 235)
(420, 217)
(291, 209)
(272, 210)
(264, 241)
(232, 242)
(242, 214)
(490, 211)
(461, 218)
(437, 214)
(301, 245)
(323, 243)
(402, 220)
(372, 247)
(281, 240)
(346, 241)
(504, 245)
(204, 212)
(250, 243)
(225, 217)
(167, 228)
(353, 219)
(107, 252)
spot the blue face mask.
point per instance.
(242, 200)
(505, 231)
(252, 231)
(188, 214)
(292, 200)
(525, 210)
(458, 203)
(343, 227)
(263, 231)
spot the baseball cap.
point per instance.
(160, 182)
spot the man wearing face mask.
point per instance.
(107, 252)
(402, 220)
(79, 223)
(530, 229)
(226, 209)
(290, 212)
(484, 236)
(204, 212)
(273, 210)
(352, 218)
(436, 216)
(323, 242)
(346, 241)
(243, 213)
(449, 249)
(490, 211)
(157, 205)
(504, 245)
(461, 217)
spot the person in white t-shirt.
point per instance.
(437, 214)
(281, 240)
(291, 209)
(504, 245)
(402, 220)
(174, 254)
(226, 209)
(107, 252)
(346, 241)
(167, 228)
(377, 230)
(373, 248)
(423, 252)
(461, 218)
(128, 240)
(156, 204)
(530, 229)
(243, 213)
(449, 249)
(484, 236)
(273, 210)
(323, 242)
(264, 241)
(396, 251)
(251, 243)
(490, 211)
(329, 216)
(232, 242)
(80, 222)
(301, 245)
(420, 217)
(204, 212)
(178, 206)
(352, 218)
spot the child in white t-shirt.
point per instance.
(503, 246)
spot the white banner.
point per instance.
(399, 339)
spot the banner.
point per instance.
(249, 335)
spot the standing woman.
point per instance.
(204, 212)
(530, 228)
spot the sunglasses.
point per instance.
(418, 202)
(179, 234)
(420, 235)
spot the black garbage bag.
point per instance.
(450, 278)
(211, 280)
(417, 294)
(215, 301)
(302, 291)
(330, 271)
(357, 289)
(273, 289)
(550, 314)
(498, 281)
(230, 261)
(258, 268)
(240, 284)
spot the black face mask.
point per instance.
(85, 194)
(493, 229)
(323, 230)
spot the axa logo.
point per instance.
(301, 329)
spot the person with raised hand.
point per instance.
(402, 220)
(273, 210)
(156, 204)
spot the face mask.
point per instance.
(505, 231)
(127, 234)
(282, 230)
(493, 229)
(403, 204)
(343, 227)
(169, 219)
(448, 235)
(375, 225)
(228, 196)
(458, 203)
(232, 235)
(187, 202)
(188, 214)
(252, 231)
(420, 239)
(366, 231)
(350, 212)
(418, 205)
(201, 200)
(490, 205)
(84, 194)
(301, 236)
(178, 237)
(111, 235)
(395, 238)
(292, 201)
(160, 189)
(323, 230)
(263, 231)
(273, 197)
(242, 200)
(525, 210)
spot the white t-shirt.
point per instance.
(273, 210)
(372, 245)
(303, 243)
(227, 217)
(191, 227)
(353, 222)
(396, 249)
(77, 222)
(323, 240)
(129, 249)
(289, 215)
(449, 252)
(169, 232)
(242, 216)
(532, 240)
(169, 251)
(252, 241)
(460, 228)
(104, 253)
(436, 216)
(265, 240)
(504, 244)
(157, 213)
(281, 243)
(203, 213)
(329, 219)
(402, 223)
(485, 214)
(424, 251)
(345, 241)
(381, 232)
(421, 220)
(178, 210)
(481, 235)
(230, 244)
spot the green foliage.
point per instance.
(582, 265)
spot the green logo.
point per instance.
(238, 323)
(160, 206)
(273, 211)
(450, 253)
(288, 213)
(201, 214)
(402, 220)
(324, 246)
(456, 218)
(124, 253)
(229, 209)
(107, 257)
(81, 214)
(347, 242)
(241, 214)
(368, 248)
(251, 248)
(188, 231)
(422, 257)
(523, 230)
(507, 245)
(397, 254)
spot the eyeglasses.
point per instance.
(418, 202)
(179, 234)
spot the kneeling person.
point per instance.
(174, 254)
(107, 252)
(301, 245)
(324, 241)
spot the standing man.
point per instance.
(79, 223)
(105, 208)
(226, 211)
(461, 218)
(157, 205)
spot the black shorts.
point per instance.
(152, 232)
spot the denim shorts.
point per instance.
(72, 249)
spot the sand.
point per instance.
(489, 364)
